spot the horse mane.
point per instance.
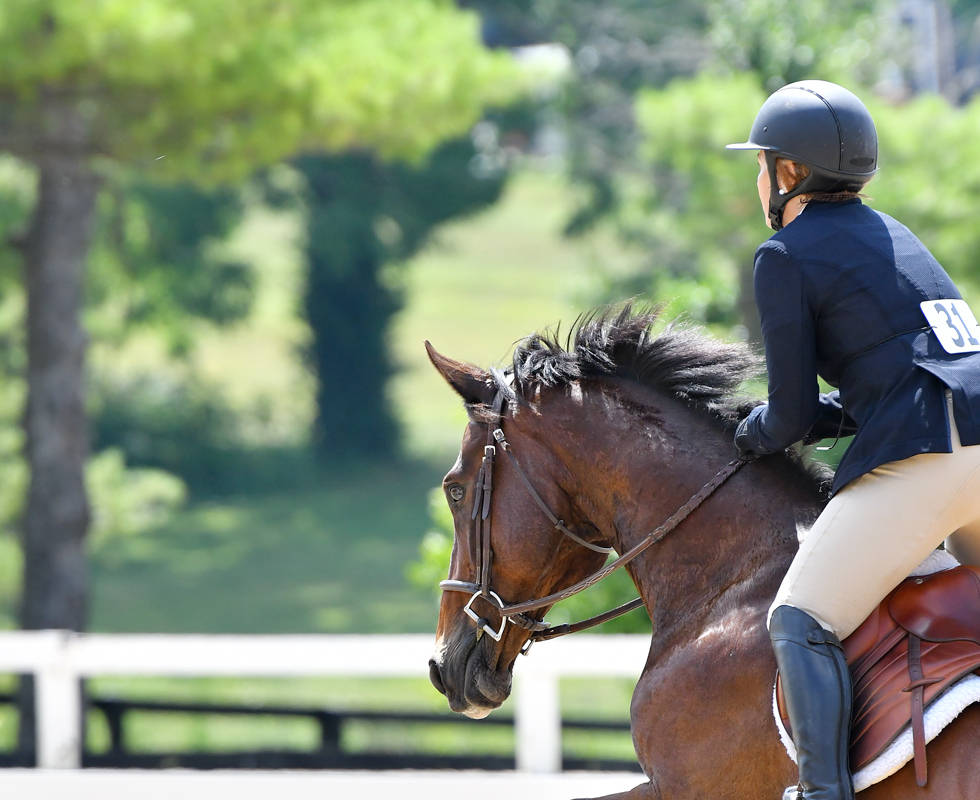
(682, 359)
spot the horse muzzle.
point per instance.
(460, 669)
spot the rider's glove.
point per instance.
(744, 443)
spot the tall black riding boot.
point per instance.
(817, 690)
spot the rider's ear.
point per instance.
(471, 383)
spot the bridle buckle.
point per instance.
(481, 623)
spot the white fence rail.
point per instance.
(58, 659)
(127, 784)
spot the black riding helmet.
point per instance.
(821, 125)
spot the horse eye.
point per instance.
(456, 492)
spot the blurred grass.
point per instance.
(148, 732)
(325, 558)
(605, 699)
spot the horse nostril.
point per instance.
(435, 676)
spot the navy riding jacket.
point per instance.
(838, 292)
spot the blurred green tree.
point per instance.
(197, 90)
(362, 216)
(153, 262)
(699, 217)
(929, 178)
(615, 50)
(158, 264)
(784, 42)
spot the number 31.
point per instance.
(954, 325)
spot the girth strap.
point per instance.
(916, 689)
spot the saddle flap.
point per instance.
(877, 628)
(941, 607)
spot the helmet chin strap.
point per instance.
(777, 197)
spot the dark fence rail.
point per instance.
(330, 752)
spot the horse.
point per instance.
(607, 436)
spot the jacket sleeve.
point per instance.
(790, 345)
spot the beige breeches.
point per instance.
(879, 528)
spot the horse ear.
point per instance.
(470, 382)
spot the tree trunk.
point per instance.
(55, 579)
(57, 517)
(348, 307)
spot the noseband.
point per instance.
(481, 521)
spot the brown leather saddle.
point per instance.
(922, 638)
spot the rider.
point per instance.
(848, 293)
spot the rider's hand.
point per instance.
(743, 442)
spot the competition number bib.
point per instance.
(954, 325)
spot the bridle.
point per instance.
(481, 520)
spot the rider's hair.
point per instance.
(789, 174)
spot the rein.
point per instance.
(517, 613)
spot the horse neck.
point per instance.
(730, 554)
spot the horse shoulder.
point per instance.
(702, 720)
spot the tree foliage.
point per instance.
(616, 49)
(155, 260)
(784, 42)
(196, 88)
(929, 178)
(702, 219)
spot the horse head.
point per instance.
(506, 547)
(555, 454)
